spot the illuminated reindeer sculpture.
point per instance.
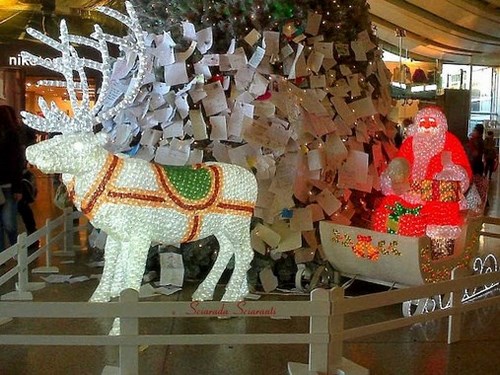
(136, 202)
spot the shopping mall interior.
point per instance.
(312, 167)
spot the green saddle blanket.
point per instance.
(190, 183)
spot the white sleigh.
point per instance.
(402, 261)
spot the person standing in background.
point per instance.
(490, 154)
(11, 171)
(475, 149)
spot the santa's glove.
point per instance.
(453, 172)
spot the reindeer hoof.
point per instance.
(202, 295)
(99, 299)
(233, 297)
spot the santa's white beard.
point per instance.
(425, 146)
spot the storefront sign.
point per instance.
(18, 61)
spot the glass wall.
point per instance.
(483, 83)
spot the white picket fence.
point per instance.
(326, 309)
(56, 234)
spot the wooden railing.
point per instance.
(326, 310)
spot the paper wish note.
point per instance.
(341, 88)
(315, 159)
(301, 219)
(237, 60)
(364, 38)
(175, 74)
(173, 129)
(165, 50)
(268, 280)
(271, 42)
(252, 37)
(177, 153)
(328, 202)
(313, 23)
(359, 50)
(188, 31)
(267, 235)
(204, 39)
(150, 137)
(218, 128)
(315, 61)
(317, 81)
(198, 124)
(257, 57)
(343, 110)
(257, 244)
(56, 279)
(353, 81)
(292, 71)
(304, 255)
(172, 269)
(215, 101)
(357, 166)
(363, 107)
(325, 48)
(345, 70)
(203, 69)
(316, 212)
(342, 49)
(290, 239)
(211, 59)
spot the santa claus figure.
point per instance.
(425, 183)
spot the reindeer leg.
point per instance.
(206, 289)
(237, 287)
(111, 252)
(132, 265)
(131, 271)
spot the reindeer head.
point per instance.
(73, 150)
(68, 153)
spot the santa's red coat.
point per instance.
(432, 213)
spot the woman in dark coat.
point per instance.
(11, 170)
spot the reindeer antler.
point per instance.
(84, 117)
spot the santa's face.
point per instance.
(428, 125)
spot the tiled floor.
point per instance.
(420, 349)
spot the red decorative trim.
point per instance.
(88, 205)
(136, 196)
(236, 207)
(195, 229)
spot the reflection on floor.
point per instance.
(420, 349)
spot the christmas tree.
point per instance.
(294, 90)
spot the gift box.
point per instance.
(438, 190)
(397, 217)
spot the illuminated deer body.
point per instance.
(136, 202)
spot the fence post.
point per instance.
(318, 353)
(68, 245)
(336, 327)
(48, 254)
(22, 292)
(455, 319)
(129, 353)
